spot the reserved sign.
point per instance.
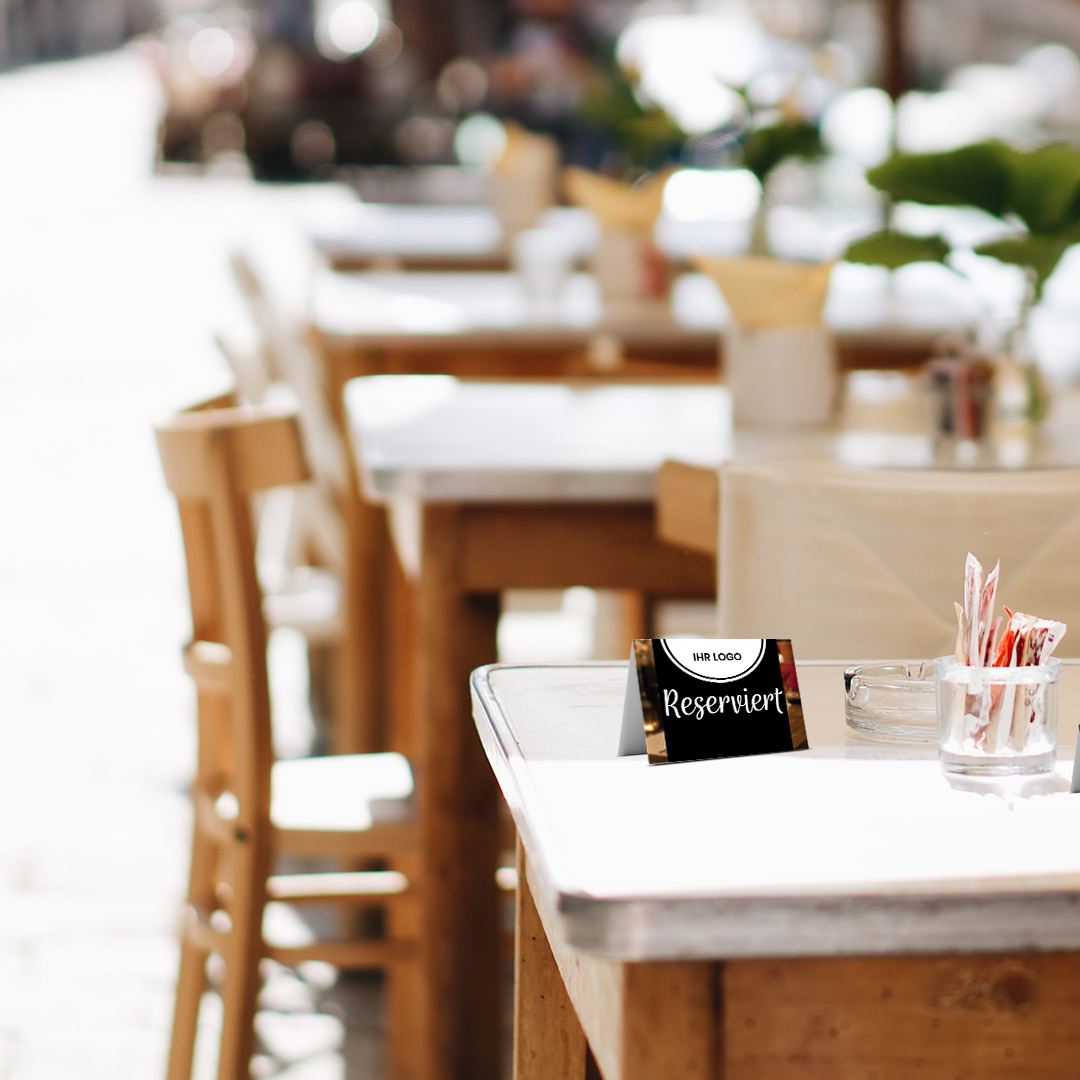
(689, 699)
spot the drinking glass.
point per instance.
(543, 258)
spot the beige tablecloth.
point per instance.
(867, 563)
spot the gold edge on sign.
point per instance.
(655, 739)
(789, 676)
(656, 744)
(799, 741)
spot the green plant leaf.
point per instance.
(647, 137)
(1041, 186)
(764, 148)
(894, 249)
(1040, 252)
(1044, 187)
(976, 175)
(650, 138)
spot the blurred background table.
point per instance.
(687, 496)
(416, 237)
(483, 325)
(736, 918)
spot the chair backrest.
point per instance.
(248, 365)
(283, 362)
(866, 563)
(215, 460)
(290, 360)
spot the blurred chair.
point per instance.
(301, 542)
(248, 363)
(250, 809)
(275, 289)
(316, 529)
(866, 563)
(288, 359)
(687, 506)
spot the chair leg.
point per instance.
(240, 989)
(404, 993)
(189, 991)
(404, 985)
(191, 981)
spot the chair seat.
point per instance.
(332, 886)
(346, 792)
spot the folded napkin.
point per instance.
(525, 179)
(526, 150)
(764, 293)
(617, 205)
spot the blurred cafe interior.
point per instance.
(350, 347)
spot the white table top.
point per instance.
(429, 306)
(372, 229)
(434, 438)
(851, 847)
(418, 304)
(423, 303)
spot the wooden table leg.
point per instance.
(403, 993)
(360, 707)
(359, 710)
(458, 815)
(671, 1021)
(643, 1021)
(548, 1041)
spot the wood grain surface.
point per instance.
(548, 1041)
(1004, 1017)
(459, 839)
(688, 506)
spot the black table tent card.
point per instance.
(691, 699)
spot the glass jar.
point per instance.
(997, 721)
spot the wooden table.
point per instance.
(475, 325)
(483, 325)
(479, 325)
(490, 487)
(688, 494)
(844, 912)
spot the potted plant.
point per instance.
(1035, 194)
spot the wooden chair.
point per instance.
(289, 360)
(250, 809)
(313, 529)
(358, 687)
(300, 550)
(688, 506)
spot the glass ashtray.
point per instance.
(894, 701)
